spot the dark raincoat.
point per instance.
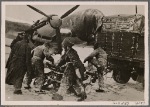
(20, 62)
(72, 56)
(69, 78)
(98, 58)
(18, 38)
(39, 53)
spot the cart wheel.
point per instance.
(121, 75)
(134, 76)
(88, 88)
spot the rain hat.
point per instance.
(67, 42)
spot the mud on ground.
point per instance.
(131, 91)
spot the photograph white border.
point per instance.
(146, 90)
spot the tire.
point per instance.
(121, 74)
(134, 76)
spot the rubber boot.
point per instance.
(17, 92)
(82, 97)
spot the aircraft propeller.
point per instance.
(63, 16)
(53, 20)
(69, 11)
(39, 11)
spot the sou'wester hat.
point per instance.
(67, 42)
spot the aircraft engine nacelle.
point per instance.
(48, 30)
(48, 27)
(84, 24)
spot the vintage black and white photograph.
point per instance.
(92, 53)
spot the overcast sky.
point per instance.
(24, 13)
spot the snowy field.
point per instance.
(131, 91)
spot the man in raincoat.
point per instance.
(73, 74)
(18, 38)
(19, 64)
(98, 58)
(39, 54)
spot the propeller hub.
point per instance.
(55, 22)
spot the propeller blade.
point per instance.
(37, 10)
(136, 9)
(69, 11)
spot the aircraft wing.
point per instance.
(12, 29)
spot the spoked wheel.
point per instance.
(88, 88)
(121, 74)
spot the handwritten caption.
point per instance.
(126, 103)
